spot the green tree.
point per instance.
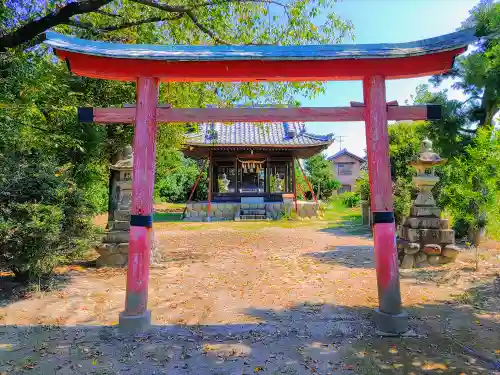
(454, 130)
(320, 174)
(472, 179)
(477, 73)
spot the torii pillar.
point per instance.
(136, 317)
(389, 317)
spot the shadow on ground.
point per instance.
(12, 290)
(347, 256)
(304, 339)
(348, 225)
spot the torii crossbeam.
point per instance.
(371, 63)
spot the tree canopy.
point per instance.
(477, 73)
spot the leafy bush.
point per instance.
(329, 187)
(470, 181)
(363, 186)
(175, 182)
(403, 190)
(350, 199)
(43, 219)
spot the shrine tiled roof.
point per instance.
(279, 134)
(442, 43)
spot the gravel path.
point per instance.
(229, 300)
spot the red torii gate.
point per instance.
(150, 64)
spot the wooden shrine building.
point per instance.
(249, 160)
(148, 65)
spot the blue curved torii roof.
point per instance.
(442, 43)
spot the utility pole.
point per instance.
(339, 139)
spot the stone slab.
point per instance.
(444, 224)
(107, 248)
(423, 222)
(112, 260)
(248, 200)
(116, 237)
(121, 225)
(125, 185)
(122, 215)
(428, 236)
(425, 199)
(123, 248)
(416, 211)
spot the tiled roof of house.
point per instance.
(266, 134)
(442, 43)
(345, 152)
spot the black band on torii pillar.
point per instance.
(383, 217)
(85, 114)
(141, 221)
(434, 112)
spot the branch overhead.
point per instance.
(31, 31)
(59, 16)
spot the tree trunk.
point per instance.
(476, 235)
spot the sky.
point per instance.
(385, 21)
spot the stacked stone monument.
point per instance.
(114, 249)
(424, 238)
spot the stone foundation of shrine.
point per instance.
(197, 211)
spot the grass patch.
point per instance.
(335, 216)
(348, 219)
(493, 226)
(166, 217)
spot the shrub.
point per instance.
(350, 199)
(403, 190)
(175, 185)
(363, 186)
(44, 220)
(329, 187)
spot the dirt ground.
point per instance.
(235, 299)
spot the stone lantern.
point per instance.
(425, 178)
(425, 238)
(114, 249)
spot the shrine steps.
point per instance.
(253, 217)
(253, 212)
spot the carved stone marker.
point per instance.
(114, 249)
(425, 238)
